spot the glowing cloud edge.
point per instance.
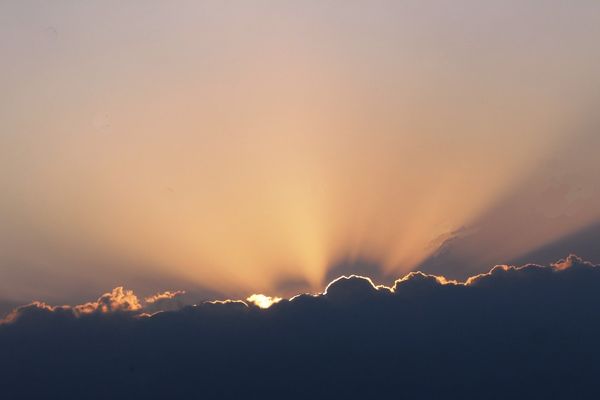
(120, 300)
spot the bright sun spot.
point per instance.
(263, 301)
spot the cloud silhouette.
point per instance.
(515, 332)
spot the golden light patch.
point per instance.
(263, 301)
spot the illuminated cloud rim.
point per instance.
(345, 289)
(527, 332)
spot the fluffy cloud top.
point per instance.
(516, 332)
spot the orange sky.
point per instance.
(234, 147)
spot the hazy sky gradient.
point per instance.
(231, 146)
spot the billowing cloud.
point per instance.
(514, 332)
(117, 300)
(165, 301)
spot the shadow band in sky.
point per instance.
(519, 333)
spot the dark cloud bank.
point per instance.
(526, 333)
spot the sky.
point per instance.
(229, 148)
(299, 199)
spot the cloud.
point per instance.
(352, 289)
(165, 301)
(168, 295)
(35, 310)
(117, 300)
(515, 332)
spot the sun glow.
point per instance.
(229, 151)
(263, 301)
